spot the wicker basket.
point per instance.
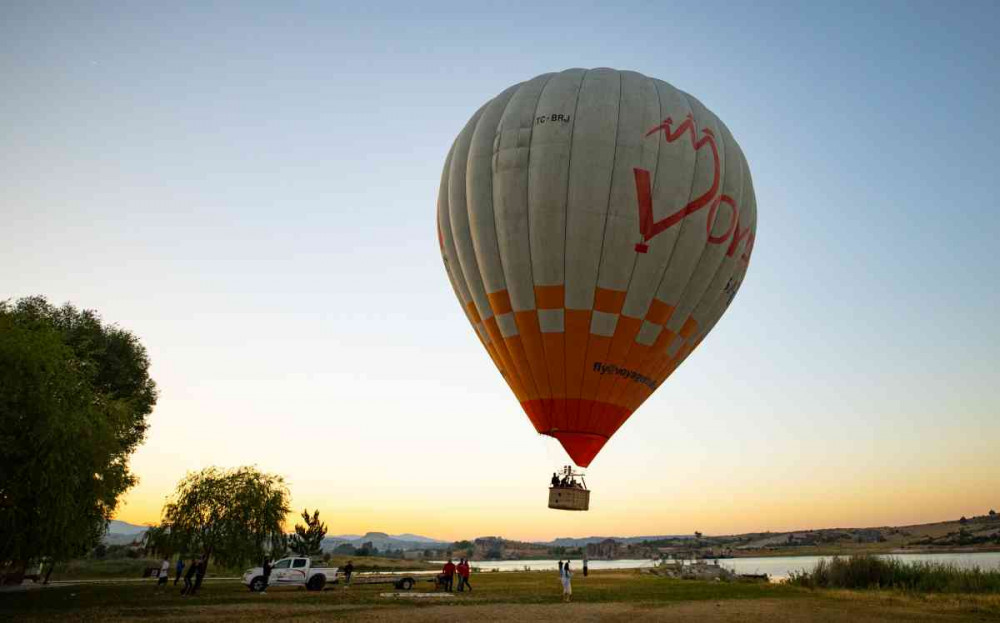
(569, 498)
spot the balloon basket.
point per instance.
(568, 494)
(569, 499)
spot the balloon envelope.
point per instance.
(594, 224)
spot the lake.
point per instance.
(778, 567)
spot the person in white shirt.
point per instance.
(161, 579)
(567, 575)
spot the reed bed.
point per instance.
(866, 571)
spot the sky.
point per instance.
(251, 188)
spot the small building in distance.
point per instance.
(606, 550)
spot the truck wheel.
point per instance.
(405, 584)
(257, 584)
(316, 582)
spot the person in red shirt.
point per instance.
(449, 574)
(463, 575)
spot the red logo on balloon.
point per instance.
(649, 228)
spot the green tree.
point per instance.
(160, 541)
(308, 539)
(74, 397)
(234, 516)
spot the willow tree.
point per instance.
(232, 516)
(74, 397)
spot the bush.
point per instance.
(866, 571)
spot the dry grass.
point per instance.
(607, 595)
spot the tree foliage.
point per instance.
(160, 541)
(74, 397)
(234, 516)
(308, 539)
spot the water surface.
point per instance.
(778, 567)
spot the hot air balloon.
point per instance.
(595, 225)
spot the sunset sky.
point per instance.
(251, 189)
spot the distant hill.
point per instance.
(382, 541)
(417, 538)
(975, 533)
(583, 541)
(123, 533)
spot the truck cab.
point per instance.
(291, 571)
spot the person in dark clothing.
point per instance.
(348, 570)
(179, 568)
(267, 575)
(192, 569)
(555, 479)
(199, 575)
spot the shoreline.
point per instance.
(770, 554)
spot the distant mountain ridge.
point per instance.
(382, 541)
(583, 541)
(975, 531)
(124, 533)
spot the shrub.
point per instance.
(866, 571)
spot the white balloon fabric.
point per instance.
(595, 225)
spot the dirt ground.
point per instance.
(748, 611)
(847, 609)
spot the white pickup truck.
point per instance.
(291, 572)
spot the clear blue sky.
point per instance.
(251, 188)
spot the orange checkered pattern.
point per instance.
(580, 373)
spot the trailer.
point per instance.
(402, 581)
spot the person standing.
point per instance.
(348, 570)
(458, 572)
(199, 575)
(192, 569)
(164, 575)
(567, 576)
(267, 575)
(449, 574)
(584, 567)
(178, 569)
(463, 574)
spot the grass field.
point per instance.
(607, 595)
(131, 568)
